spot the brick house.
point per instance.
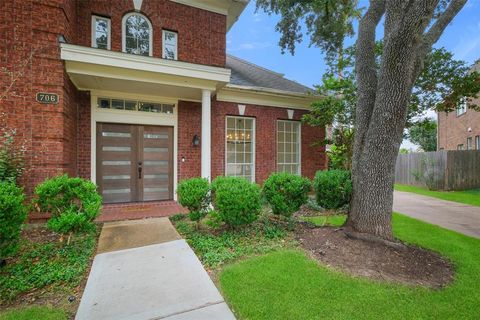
(460, 130)
(147, 96)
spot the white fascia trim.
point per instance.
(230, 8)
(213, 6)
(266, 97)
(83, 54)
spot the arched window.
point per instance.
(137, 34)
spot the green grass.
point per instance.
(331, 220)
(37, 313)
(46, 265)
(471, 197)
(289, 285)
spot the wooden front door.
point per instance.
(134, 162)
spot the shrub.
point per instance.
(194, 194)
(12, 214)
(237, 201)
(11, 156)
(74, 203)
(286, 192)
(333, 188)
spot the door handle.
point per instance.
(139, 170)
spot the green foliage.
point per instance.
(424, 134)
(11, 156)
(177, 217)
(47, 263)
(336, 220)
(194, 194)
(252, 287)
(74, 203)
(286, 192)
(237, 201)
(34, 312)
(217, 249)
(333, 188)
(12, 214)
(327, 22)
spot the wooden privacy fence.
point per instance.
(440, 170)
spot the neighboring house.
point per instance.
(147, 96)
(460, 130)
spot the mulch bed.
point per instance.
(411, 265)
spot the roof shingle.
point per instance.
(245, 73)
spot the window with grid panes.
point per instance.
(240, 147)
(288, 146)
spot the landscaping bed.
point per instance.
(47, 271)
(409, 265)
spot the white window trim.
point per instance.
(477, 142)
(163, 44)
(94, 27)
(124, 31)
(461, 107)
(132, 117)
(299, 135)
(254, 142)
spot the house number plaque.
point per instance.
(47, 98)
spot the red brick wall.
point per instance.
(313, 158)
(454, 130)
(201, 33)
(29, 52)
(189, 124)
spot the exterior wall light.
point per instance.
(196, 140)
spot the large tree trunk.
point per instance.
(383, 96)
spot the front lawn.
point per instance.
(470, 197)
(37, 313)
(287, 284)
(46, 271)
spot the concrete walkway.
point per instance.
(164, 280)
(451, 215)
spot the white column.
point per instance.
(205, 139)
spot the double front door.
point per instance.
(134, 162)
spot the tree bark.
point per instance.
(383, 95)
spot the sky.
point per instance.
(253, 38)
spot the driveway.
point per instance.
(155, 281)
(450, 215)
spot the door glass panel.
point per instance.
(116, 148)
(156, 176)
(155, 136)
(112, 191)
(116, 134)
(155, 163)
(116, 163)
(117, 177)
(155, 149)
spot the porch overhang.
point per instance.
(97, 69)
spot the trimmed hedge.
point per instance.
(286, 192)
(194, 194)
(12, 215)
(333, 188)
(237, 201)
(74, 203)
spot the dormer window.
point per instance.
(169, 42)
(100, 32)
(137, 34)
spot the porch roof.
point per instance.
(97, 69)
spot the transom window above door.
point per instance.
(137, 34)
(240, 147)
(288, 146)
(134, 105)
